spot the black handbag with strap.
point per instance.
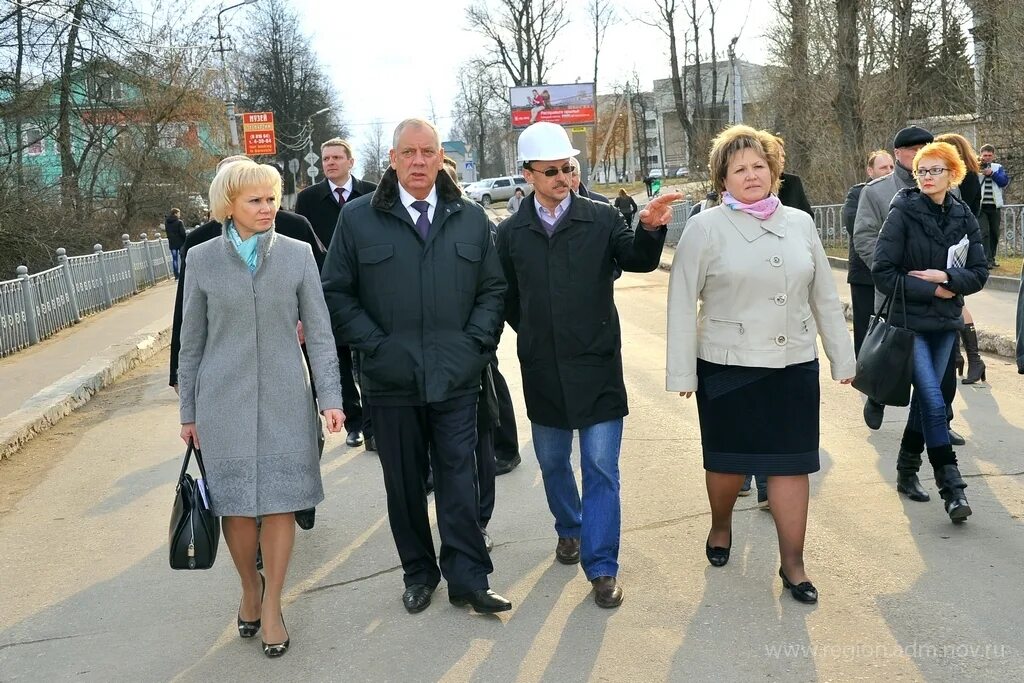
(194, 532)
(885, 365)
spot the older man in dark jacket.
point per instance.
(560, 253)
(413, 283)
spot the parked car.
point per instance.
(682, 172)
(497, 189)
(655, 173)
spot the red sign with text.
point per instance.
(258, 133)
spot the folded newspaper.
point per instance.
(201, 485)
(957, 255)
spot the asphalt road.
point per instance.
(86, 594)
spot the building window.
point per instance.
(650, 124)
(653, 159)
(171, 135)
(108, 89)
(33, 141)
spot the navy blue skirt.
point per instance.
(761, 421)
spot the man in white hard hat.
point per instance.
(559, 253)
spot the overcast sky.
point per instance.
(390, 58)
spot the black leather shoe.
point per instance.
(354, 439)
(951, 488)
(506, 466)
(248, 629)
(371, 444)
(803, 592)
(568, 550)
(607, 592)
(277, 649)
(718, 557)
(907, 482)
(956, 439)
(306, 518)
(416, 597)
(488, 543)
(484, 601)
(873, 414)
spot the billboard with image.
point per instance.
(572, 104)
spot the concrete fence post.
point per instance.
(108, 300)
(149, 259)
(29, 302)
(127, 242)
(69, 278)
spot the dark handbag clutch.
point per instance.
(885, 366)
(195, 532)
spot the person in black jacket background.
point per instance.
(862, 288)
(175, 229)
(321, 204)
(930, 252)
(626, 206)
(791, 190)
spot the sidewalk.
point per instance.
(994, 311)
(46, 381)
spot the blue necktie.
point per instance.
(423, 222)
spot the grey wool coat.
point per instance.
(242, 378)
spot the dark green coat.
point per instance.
(423, 315)
(560, 300)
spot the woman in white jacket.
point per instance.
(751, 288)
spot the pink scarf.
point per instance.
(761, 210)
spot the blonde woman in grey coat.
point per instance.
(244, 392)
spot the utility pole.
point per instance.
(736, 101)
(228, 101)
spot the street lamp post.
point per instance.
(311, 156)
(228, 102)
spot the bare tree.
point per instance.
(847, 101)
(520, 33)
(665, 21)
(374, 153)
(480, 114)
(601, 14)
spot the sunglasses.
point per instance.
(552, 172)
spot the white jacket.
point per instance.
(765, 290)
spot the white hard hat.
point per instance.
(544, 141)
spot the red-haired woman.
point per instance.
(914, 255)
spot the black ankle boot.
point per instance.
(975, 365)
(907, 482)
(951, 488)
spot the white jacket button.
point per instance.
(780, 340)
(776, 261)
(780, 299)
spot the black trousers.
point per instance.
(486, 472)
(441, 436)
(990, 221)
(505, 436)
(863, 300)
(356, 418)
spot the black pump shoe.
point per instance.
(802, 592)
(248, 629)
(277, 649)
(718, 557)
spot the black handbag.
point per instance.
(885, 366)
(195, 532)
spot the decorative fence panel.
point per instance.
(33, 307)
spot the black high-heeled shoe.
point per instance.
(718, 557)
(277, 649)
(248, 629)
(803, 592)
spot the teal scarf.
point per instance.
(247, 249)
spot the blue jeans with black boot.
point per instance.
(927, 426)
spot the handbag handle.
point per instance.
(188, 456)
(901, 293)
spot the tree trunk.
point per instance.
(69, 173)
(847, 103)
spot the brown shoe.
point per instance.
(607, 593)
(568, 550)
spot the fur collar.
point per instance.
(386, 194)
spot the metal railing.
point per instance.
(829, 220)
(34, 307)
(680, 212)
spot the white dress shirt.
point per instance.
(346, 189)
(408, 199)
(546, 215)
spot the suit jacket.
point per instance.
(320, 206)
(286, 223)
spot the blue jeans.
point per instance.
(927, 406)
(175, 253)
(598, 528)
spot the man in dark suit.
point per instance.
(321, 204)
(575, 182)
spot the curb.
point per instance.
(75, 389)
(1003, 345)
